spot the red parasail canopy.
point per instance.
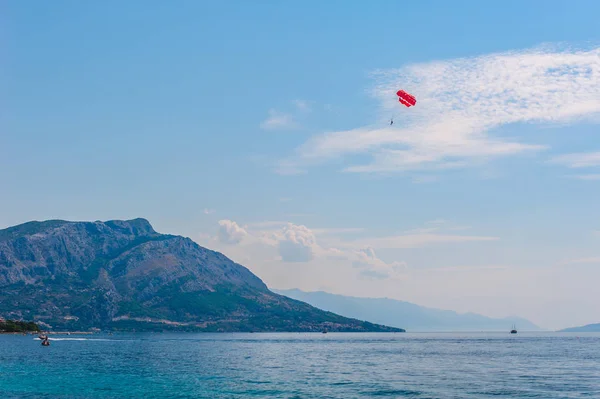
(407, 99)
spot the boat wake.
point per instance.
(82, 339)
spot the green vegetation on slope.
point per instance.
(18, 326)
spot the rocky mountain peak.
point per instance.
(123, 274)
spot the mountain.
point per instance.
(586, 328)
(410, 316)
(124, 275)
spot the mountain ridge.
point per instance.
(413, 317)
(122, 274)
(594, 327)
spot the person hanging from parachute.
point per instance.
(406, 99)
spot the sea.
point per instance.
(302, 365)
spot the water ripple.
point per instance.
(302, 366)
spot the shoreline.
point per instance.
(47, 333)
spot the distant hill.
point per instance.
(408, 315)
(586, 328)
(121, 274)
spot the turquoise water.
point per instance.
(411, 365)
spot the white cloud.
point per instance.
(208, 211)
(297, 243)
(459, 102)
(272, 232)
(300, 244)
(462, 279)
(373, 266)
(594, 259)
(337, 230)
(466, 269)
(587, 177)
(437, 222)
(268, 224)
(230, 232)
(425, 179)
(278, 120)
(436, 225)
(578, 160)
(302, 105)
(288, 168)
(278, 224)
(415, 240)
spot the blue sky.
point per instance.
(260, 130)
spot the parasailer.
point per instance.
(405, 98)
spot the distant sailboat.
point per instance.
(514, 330)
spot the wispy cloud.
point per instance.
(301, 244)
(437, 222)
(578, 160)
(593, 259)
(278, 120)
(208, 211)
(302, 105)
(434, 232)
(424, 179)
(416, 240)
(460, 102)
(466, 268)
(278, 224)
(339, 230)
(373, 267)
(289, 168)
(587, 177)
(437, 225)
(267, 224)
(286, 120)
(299, 215)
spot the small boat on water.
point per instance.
(514, 330)
(44, 338)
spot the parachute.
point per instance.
(407, 99)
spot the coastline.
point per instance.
(47, 333)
